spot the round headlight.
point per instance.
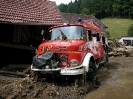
(73, 63)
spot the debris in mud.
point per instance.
(22, 88)
(14, 86)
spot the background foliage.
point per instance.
(130, 31)
(100, 8)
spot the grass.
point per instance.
(117, 27)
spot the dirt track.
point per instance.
(116, 83)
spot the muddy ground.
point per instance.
(116, 83)
(116, 80)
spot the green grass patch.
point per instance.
(117, 27)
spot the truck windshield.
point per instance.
(67, 32)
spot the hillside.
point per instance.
(117, 27)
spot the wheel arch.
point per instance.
(105, 46)
(88, 57)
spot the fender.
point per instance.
(86, 61)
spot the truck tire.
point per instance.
(105, 58)
(92, 71)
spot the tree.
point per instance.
(108, 8)
(62, 7)
(76, 7)
(116, 7)
(86, 11)
(130, 31)
(82, 5)
(70, 7)
(100, 8)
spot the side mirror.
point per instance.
(42, 32)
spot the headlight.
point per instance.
(73, 63)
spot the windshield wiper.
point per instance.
(83, 37)
(64, 37)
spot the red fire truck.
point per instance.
(72, 49)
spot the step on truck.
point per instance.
(72, 49)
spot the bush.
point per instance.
(130, 31)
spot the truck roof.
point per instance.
(86, 23)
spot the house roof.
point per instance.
(73, 18)
(31, 11)
(37, 12)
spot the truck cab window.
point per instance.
(103, 40)
(89, 35)
(98, 38)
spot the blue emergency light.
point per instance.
(79, 20)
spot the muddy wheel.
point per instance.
(92, 71)
(91, 75)
(105, 58)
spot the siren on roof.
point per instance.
(79, 20)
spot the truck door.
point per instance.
(92, 44)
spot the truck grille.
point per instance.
(63, 59)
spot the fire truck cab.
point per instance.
(72, 49)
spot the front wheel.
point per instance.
(92, 71)
(105, 58)
(91, 75)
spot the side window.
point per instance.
(49, 34)
(98, 38)
(103, 40)
(96, 35)
(89, 35)
(83, 35)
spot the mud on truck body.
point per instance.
(72, 49)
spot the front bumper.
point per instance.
(64, 71)
(72, 71)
